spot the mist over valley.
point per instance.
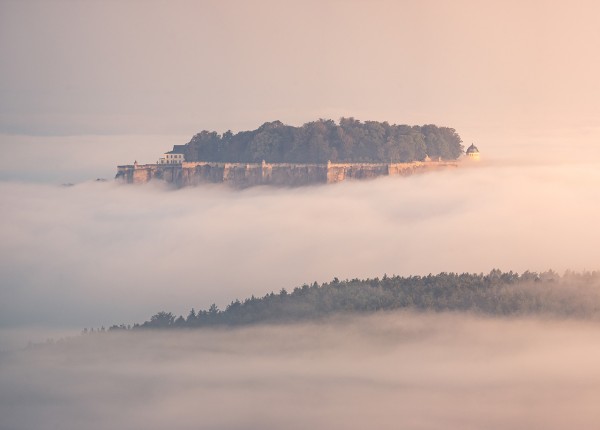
(87, 255)
(421, 370)
(101, 254)
(328, 215)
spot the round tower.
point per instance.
(472, 152)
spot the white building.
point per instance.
(171, 158)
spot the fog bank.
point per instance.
(101, 253)
(385, 371)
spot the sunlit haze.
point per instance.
(88, 85)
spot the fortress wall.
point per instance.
(366, 171)
(168, 173)
(242, 175)
(404, 169)
(437, 165)
(124, 174)
(341, 171)
(336, 173)
(235, 174)
(294, 175)
(140, 174)
(201, 173)
(143, 175)
(251, 174)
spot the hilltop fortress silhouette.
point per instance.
(205, 158)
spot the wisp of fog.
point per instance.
(388, 371)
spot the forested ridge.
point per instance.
(495, 293)
(320, 141)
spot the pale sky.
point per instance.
(175, 67)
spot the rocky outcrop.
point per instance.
(242, 175)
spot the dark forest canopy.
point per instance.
(320, 141)
(496, 293)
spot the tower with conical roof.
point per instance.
(472, 152)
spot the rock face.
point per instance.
(242, 175)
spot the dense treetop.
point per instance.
(496, 293)
(319, 141)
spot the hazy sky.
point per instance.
(175, 67)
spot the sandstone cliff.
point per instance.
(242, 175)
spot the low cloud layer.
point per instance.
(102, 253)
(386, 371)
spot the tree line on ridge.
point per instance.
(323, 140)
(496, 293)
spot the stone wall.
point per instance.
(242, 175)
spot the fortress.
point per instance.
(300, 152)
(242, 175)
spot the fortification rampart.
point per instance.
(242, 175)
